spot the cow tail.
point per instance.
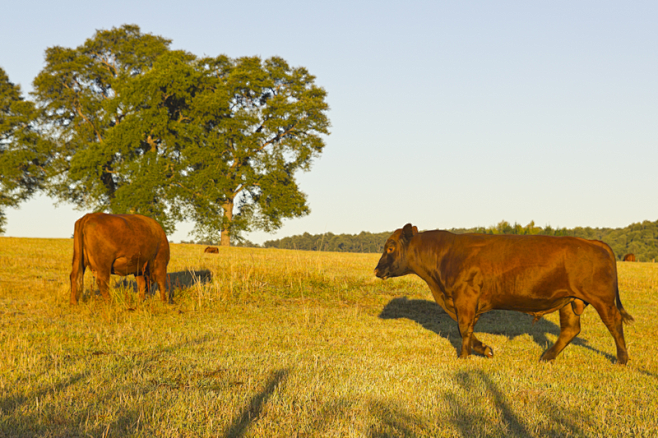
(78, 258)
(625, 316)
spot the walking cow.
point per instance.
(470, 274)
(121, 244)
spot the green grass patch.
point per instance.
(289, 343)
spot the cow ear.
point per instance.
(408, 232)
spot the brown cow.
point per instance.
(120, 244)
(629, 258)
(211, 250)
(470, 274)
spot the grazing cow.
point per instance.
(211, 250)
(629, 258)
(120, 244)
(470, 274)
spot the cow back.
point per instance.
(126, 242)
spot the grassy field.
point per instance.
(289, 343)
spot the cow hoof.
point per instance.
(488, 352)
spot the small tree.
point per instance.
(532, 229)
(260, 123)
(23, 153)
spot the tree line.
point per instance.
(125, 124)
(640, 239)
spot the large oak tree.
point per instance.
(141, 128)
(78, 91)
(23, 153)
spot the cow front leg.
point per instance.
(466, 320)
(466, 331)
(481, 348)
(143, 285)
(478, 346)
(569, 329)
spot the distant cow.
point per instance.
(470, 274)
(120, 244)
(211, 250)
(629, 258)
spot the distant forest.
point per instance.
(640, 239)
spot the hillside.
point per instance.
(269, 343)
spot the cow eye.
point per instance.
(390, 249)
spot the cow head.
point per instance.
(393, 262)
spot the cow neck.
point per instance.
(425, 255)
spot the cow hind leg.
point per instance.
(103, 280)
(569, 329)
(161, 280)
(612, 318)
(159, 276)
(77, 283)
(162, 286)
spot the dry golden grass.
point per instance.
(290, 343)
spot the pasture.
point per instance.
(289, 343)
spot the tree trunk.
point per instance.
(228, 217)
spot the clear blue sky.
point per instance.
(444, 114)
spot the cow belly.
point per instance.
(536, 307)
(531, 290)
(128, 266)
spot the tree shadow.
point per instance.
(494, 412)
(471, 417)
(642, 370)
(9, 404)
(22, 419)
(499, 322)
(392, 421)
(252, 410)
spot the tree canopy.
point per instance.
(139, 128)
(260, 122)
(23, 153)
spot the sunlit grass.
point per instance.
(290, 343)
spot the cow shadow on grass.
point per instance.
(498, 322)
(177, 280)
